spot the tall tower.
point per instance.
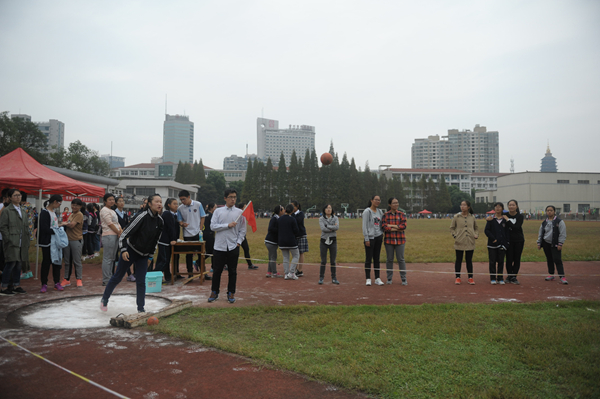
(178, 139)
(548, 162)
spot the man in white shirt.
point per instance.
(229, 227)
(190, 216)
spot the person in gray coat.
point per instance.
(14, 227)
(551, 237)
(373, 234)
(329, 224)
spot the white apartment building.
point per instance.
(165, 170)
(54, 130)
(474, 151)
(272, 141)
(569, 192)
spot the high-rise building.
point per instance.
(237, 163)
(114, 161)
(54, 130)
(474, 151)
(178, 139)
(272, 141)
(548, 162)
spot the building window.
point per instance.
(562, 181)
(583, 208)
(583, 182)
(145, 191)
(567, 208)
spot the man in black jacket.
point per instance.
(137, 243)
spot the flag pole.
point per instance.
(248, 204)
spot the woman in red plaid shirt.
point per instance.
(394, 224)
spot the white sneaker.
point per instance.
(287, 276)
(378, 281)
(293, 276)
(368, 281)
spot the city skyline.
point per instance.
(371, 77)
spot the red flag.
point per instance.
(249, 215)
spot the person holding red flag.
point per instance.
(250, 220)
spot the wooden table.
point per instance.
(184, 248)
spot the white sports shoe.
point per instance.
(368, 281)
(378, 281)
(293, 276)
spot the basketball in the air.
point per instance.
(153, 321)
(326, 158)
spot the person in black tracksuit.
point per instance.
(137, 243)
(514, 221)
(498, 242)
(168, 238)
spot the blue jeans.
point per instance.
(11, 274)
(141, 266)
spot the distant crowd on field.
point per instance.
(130, 240)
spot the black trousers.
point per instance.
(189, 258)
(163, 261)
(553, 257)
(246, 249)
(496, 259)
(373, 253)
(458, 262)
(209, 244)
(46, 263)
(220, 259)
(513, 259)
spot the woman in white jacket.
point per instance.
(373, 234)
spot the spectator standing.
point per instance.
(14, 226)
(394, 226)
(168, 238)
(497, 233)
(464, 231)
(302, 239)
(49, 222)
(26, 266)
(230, 229)
(111, 231)
(373, 234)
(190, 216)
(72, 253)
(287, 240)
(517, 241)
(65, 215)
(271, 241)
(551, 238)
(329, 225)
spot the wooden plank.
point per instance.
(137, 319)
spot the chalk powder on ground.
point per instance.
(85, 312)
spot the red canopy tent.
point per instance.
(19, 170)
(425, 211)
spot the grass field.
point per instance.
(430, 241)
(427, 241)
(538, 350)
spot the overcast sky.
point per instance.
(370, 75)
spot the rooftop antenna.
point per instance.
(246, 149)
(512, 165)
(165, 104)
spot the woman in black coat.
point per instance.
(168, 238)
(498, 241)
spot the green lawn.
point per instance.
(429, 241)
(538, 350)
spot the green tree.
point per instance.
(78, 157)
(444, 201)
(217, 180)
(294, 186)
(282, 182)
(19, 133)
(456, 197)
